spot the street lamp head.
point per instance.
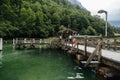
(102, 11)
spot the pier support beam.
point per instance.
(0, 59)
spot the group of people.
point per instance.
(73, 40)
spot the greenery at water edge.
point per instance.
(44, 18)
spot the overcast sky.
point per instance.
(111, 6)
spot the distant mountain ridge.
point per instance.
(76, 2)
(115, 23)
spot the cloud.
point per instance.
(111, 6)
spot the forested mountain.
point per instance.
(44, 18)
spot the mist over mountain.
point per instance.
(77, 3)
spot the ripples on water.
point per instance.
(41, 64)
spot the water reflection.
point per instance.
(0, 59)
(77, 67)
(81, 73)
(77, 76)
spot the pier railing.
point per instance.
(110, 43)
(31, 42)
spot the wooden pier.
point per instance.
(97, 50)
(108, 57)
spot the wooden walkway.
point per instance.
(111, 56)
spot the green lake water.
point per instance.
(40, 64)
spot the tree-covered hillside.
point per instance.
(44, 18)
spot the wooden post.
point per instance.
(16, 41)
(34, 41)
(1, 44)
(100, 50)
(49, 42)
(85, 43)
(40, 40)
(108, 43)
(13, 41)
(99, 53)
(77, 46)
(115, 45)
(67, 41)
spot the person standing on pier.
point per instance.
(74, 42)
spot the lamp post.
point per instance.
(103, 11)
